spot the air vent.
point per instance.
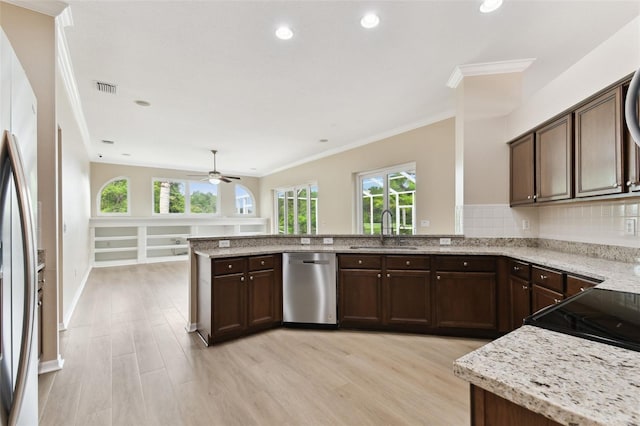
(106, 87)
(108, 142)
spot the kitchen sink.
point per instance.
(385, 248)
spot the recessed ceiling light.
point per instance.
(489, 6)
(142, 103)
(370, 20)
(284, 33)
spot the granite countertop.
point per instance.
(571, 380)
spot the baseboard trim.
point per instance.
(67, 316)
(49, 366)
(191, 327)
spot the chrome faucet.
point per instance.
(382, 224)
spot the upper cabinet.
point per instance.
(522, 181)
(553, 160)
(598, 136)
(582, 153)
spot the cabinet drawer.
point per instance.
(408, 262)
(542, 297)
(357, 261)
(576, 284)
(547, 278)
(520, 269)
(259, 263)
(465, 263)
(228, 266)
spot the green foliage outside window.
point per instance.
(114, 197)
(203, 202)
(176, 199)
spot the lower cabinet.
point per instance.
(466, 300)
(520, 298)
(542, 297)
(360, 298)
(237, 296)
(488, 409)
(407, 298)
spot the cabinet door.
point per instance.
(520, 298)
(466, 299)
(598, 140)
(554, 161)
(360, 297)
(261, 294)
(576, 285)
(521, 171)
(542, 297)
(407, 297)
(229, 305)
(632, 158)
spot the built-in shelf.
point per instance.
(126, 240)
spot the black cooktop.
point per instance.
(606, 316)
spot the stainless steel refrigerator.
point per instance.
(18, 186)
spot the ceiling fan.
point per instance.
(214, 176)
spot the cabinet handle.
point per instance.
(230, 266)
(556, 301)
(39, 303)
(616, 185)
(528, 197)
(465, 264)
(359, 262)
(535, 196)
(379, 275)
(543, 277)
(241, 278)
(251, 277)
(438, 277)
(524, 287)
(408, 263)
(516, 268)
(629, 183)
(581, 288)
(262, 263)
(388, 275)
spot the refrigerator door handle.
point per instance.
(11, 163)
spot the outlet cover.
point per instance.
(630, 226)
(224, 243)
(327, 240)
(305, 240)
(445, 241)
(525, 224)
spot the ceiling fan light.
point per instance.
(214, 181)
(489, 6)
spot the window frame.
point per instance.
(187, 201)
(385, 172)
(295, 189)
(253, 199)
(99, 197)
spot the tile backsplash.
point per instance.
(593, 222)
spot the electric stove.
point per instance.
(606, 316)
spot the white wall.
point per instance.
(75, 196)
(140, 187)
(430, 147)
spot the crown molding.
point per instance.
(487, 68)
(65, 19)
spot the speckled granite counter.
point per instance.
(571, 380)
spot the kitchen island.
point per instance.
(559, 377)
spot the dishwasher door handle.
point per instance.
(316, 262)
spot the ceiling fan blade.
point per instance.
(224, 179)
(232, 177)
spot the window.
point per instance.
(244, 201)
(393, 189)
(297, 209)
(170, 197)
(113, 198)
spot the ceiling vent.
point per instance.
(106, 87)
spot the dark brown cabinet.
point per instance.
(547, 289)
(360, 290)
(488, 409)
(632, 155)
(576, 285)
(465, 298)
(238, 295)
(522, 171)
(519, 292)
(407, 291)
(554, 170)
(598, 146)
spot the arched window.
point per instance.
(245, 203)
(113, 197)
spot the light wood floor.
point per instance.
(129, 361)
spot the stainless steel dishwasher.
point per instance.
(309, 289)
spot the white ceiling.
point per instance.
(216, 76)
